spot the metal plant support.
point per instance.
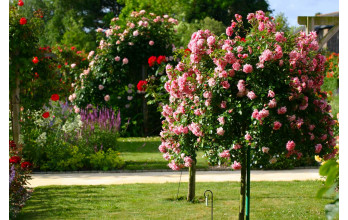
(206, 201)
(247, 200)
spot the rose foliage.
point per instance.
(121, 61)
(262, 90)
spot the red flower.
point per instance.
(12, 144)
(59, 66)
(243, 39)
(187, 51)
(142, 85)
(15, 159)
(35, 60)
(152, 61)
(78, 52)
(46, 115)
(55, 97)
(36, 75)
(20, 3)
(22, 21)
(26, 164)
(72, 48)
(161, 59)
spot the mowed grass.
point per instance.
(269, 200)
(143, 154)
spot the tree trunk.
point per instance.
(192, 182)
(242, 187)
(15, 108)
(145, 109)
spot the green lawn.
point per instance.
(269, 200)
(143, 154)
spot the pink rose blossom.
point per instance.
(236, 66)
(282, 110)
(107, 98)
(135, 33)
(162, 148)
(271, 94)
(290, 145)
(236, 165)
(247, 68)
(73, 65)
(237, 146)
(225, 154)
(220, 131)
(125, 61)
(223, 104)
(151, 43)
(225, 84)
(248, 137)
(241, 85)
(211, 41)
(172, 165)
(77, 110)
(265, 150)
(221, 120)
(251, 95)
(117, 58)
(277, 125)
(208, 95)
(318, 148)
(211, 82)
(229, 31)
(188, 161)
(101, 87)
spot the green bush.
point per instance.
(106, 160)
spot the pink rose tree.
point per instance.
(261, 93)
(120, 62)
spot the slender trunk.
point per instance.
(242, 187)
(15, 108)
(145, 109)
(192, 182)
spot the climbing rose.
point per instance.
(247, 68)
(35, 60)
(225, 154)
(15, 159)
(161, 59)
(22, 21)
(125, 61)
(265, 150)
(55, 97)
(107, 98)
(277, 125)
(282, 110)
(229, 31)
(271, 94)
(101, 87)
(117, 58)
(318, 148)
(236, 165)
(251, 95)
(141, 85)
(290, 145)
(152, 61)
(26, 165)
(151, 42)
(220, 131)
(20, 3)
(46, 115)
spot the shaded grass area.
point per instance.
(269, 200)
(143, 154)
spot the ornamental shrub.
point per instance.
(120, 62)
(19, 171)
(262, 90)
(56, 138)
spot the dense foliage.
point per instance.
(57, 138)
(121, 61)
(262, 91)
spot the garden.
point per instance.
(128, 86)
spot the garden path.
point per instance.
(106, 178)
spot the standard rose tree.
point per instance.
(259, 88)
(121, 61)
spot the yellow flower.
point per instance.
(323, 162)
(317, 158)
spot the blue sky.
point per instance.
(294, 8)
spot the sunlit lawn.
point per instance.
(269, 200)
(143, 154)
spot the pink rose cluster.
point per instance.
(218, 80)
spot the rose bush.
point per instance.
(263, 91)
(19, 171)
(121, 61)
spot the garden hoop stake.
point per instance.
(206, 201)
